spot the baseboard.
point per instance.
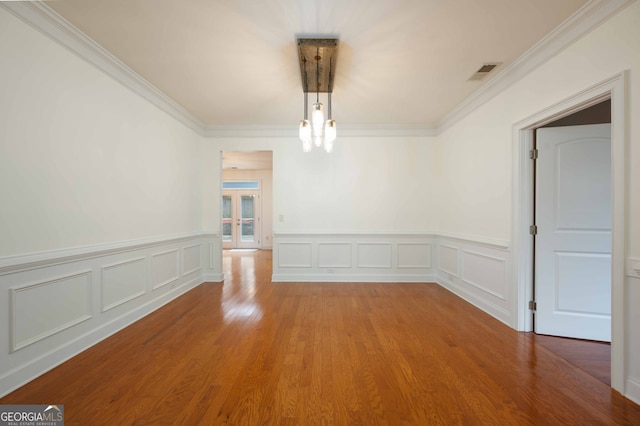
(214, 278)
(63, 302)
(354, 278)
(497, 312)
(633, 390)
(34, 368)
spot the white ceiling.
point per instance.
(234, 63)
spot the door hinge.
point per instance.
(533, 305)
(533, 230)
(533, 154)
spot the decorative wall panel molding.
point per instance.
(42, 309)
(479, 273)
(353, 257)
(448, 261)
(61, 303)
(374, 255)
(633, 390)
(122, 282)
(335, 255)
(165, 268)
(294, 255)
(486, 273)
(414, 255)
(191, 259)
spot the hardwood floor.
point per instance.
(592, 357)
(252, 352)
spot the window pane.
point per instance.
(226, 207)
(247, 218)
(226, 231)
(247, 206)
(241, 185)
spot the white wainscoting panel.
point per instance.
(632, 342)
(165, 268)
(374, 255)
(122, 282)
(294, 255)
(60, 303)
(484, 272)
(414, 255)
(358, 257)
(212, 258)
(335, 255)
(448, 260)
(42, 309)
(478, 271)
(191, 259)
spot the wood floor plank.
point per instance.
(249, 351)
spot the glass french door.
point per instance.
(240, 219)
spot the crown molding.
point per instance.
(48, 22)
(583, 21)
(291, 131)
(44, 19)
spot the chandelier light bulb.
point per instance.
(305, 130)
(330, 131)
(317, 119)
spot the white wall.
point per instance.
(101, 215)
(266, 203)
(83, 160)
(476, 152)
(365, 185)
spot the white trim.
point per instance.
(51, 24)
(633, 268)
(440, 268)
(184, 249)
(214, 278)
(105, 308)
(15, 345)
(346, 265)
(475, 284)
(499, 313)
(633, 390)
(155, 286)
(55, 27)
(588, 17)
(476, 240)
(346, 131)
(374, 265)
(614, 87)
(23, 374)
(359, 278)
(353, 234)
(429, 247)
(11, 264)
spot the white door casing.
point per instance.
(573, 244)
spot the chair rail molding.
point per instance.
(62, 302)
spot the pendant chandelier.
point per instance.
(317, 68)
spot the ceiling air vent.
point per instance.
(483, 71)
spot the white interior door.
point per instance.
(573, 244)
(240, 219)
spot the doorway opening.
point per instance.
(522, 213)
(572, 238)
(246, 200)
